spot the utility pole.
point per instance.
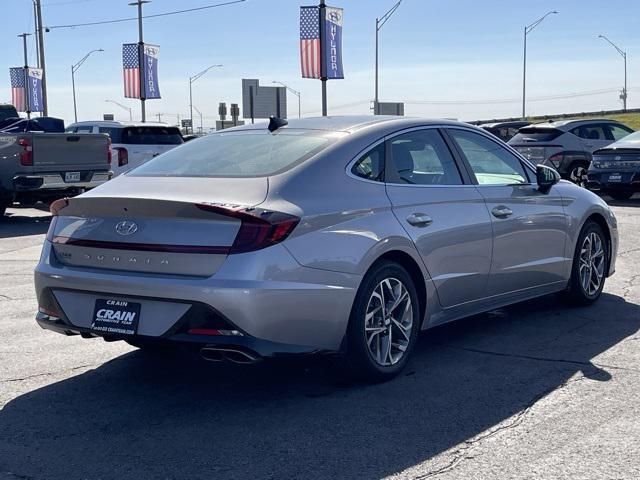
(26, 66)
(36, 29)
(323, 67)
(624, 56)
(45, 108)
(139, 3)
(527, 31)
(379, 23)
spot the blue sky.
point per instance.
(431, 50)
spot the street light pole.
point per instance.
(527, 30)
(191, 80)
(45, 107)
(124, 107)
(379, 23)
(139, 3)
(74, 69)
(199, 113)
(624, 56)
(295, 92)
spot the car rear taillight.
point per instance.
(26, 157)
(123, 157)
(55, 209)
(109, 151)
(556, 159)
(258, 229)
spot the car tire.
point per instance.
(590, 264)
(620, 195)
(383, 325)
(578, 174)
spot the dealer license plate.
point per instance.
(116, 317)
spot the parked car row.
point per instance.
(602, 155)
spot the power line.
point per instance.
(512, 100)
(120, 20)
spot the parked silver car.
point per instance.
(567, 145)
(345, 235)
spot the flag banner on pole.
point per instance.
(35, 98)
(18, 88)
(332, 48)
(310, 42)
(151, 87)
(131, 70)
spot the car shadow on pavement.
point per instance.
(18, 224)
(143, 417)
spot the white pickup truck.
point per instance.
(133, 143)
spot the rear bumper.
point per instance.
(55, 181)
(600, 180)
(266, 295)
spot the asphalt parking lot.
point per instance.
(537, 390)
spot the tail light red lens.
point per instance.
(258, 229)
(556, 159)
(26, 157)
(55, 209)
(123, 157)
(109, 151)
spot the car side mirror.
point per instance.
(546, 177)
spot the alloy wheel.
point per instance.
(388, 322)
(578, 175)
(592, 262)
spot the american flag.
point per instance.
(131, 69)
(310, 42)
(18, 95)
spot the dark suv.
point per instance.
(568, 145)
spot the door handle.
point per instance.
(501, 212)
(419, 220)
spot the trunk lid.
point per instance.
(153, 225)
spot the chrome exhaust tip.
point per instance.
(217, 354)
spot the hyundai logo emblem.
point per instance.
(126, 227)
(618, 157)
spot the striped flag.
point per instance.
(131, 70)
(18, 90)
(310, 42)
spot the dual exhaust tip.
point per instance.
(226, 354)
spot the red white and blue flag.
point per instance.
(131, 70)
(310, 42)
(18, 88)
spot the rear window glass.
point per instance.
(151, 136)
(236, 154)
(114, 133)
(536, 134)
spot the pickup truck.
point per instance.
(42, 166)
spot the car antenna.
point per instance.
(275, 123)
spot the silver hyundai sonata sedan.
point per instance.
(342, 235)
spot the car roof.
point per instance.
(352, 123)
(567, 125)
(116, 124)
(513, 123)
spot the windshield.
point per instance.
(236, 154)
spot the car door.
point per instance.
(442, 212)
(529, 227)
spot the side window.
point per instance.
(590, 132)
(618, 132)
(371, 165)
(84, 129)
(422, 158)
(492, 164)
